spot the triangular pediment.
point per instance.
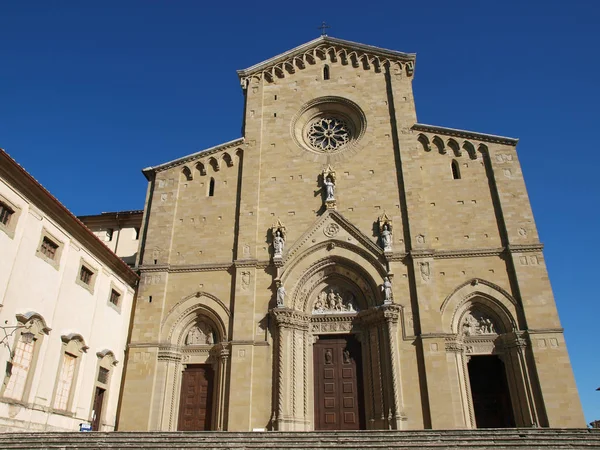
(332, 49)
(333, 229)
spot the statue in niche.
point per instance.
(329, 184)
(280, 295)
(332, 301)
(278, 243)
(475, 323)
(200, 334)
(386, 237)
(386, 287)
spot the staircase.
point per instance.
(514, 439)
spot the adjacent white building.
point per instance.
(65, 307)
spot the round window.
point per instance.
(328, 125)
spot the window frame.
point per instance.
(73, 345)
(83, 264)
(54, 262)
(11, 225)
(114, 288)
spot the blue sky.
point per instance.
(93, 92)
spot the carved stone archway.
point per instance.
(336, 297)
(482, 327)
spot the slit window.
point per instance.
(326, 72)
(455, 170)
(211, 188)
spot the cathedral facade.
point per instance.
(342, 266)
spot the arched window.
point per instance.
(211, 187)
(326, 72)
(455, 170)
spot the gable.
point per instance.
(335, 50)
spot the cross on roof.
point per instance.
(323, 27)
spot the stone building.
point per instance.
(342, 266)
(65, 307)
(120, 231)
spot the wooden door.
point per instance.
(338, 384)
(195, 405)
(97, 411)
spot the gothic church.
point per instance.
(342, 266)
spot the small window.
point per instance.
(48, 248)
(455, 170)
(211, 188)
(109, 234)
(85, 275)
(5, 213)
(326, 72)
(114, 297)
(136, 233)
(103, 375)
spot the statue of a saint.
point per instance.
(386, 237)
(278, 243)
(329, 187)
(386, 287)
(280, 295)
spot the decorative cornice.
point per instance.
(474, 253)
(465, 134)
(366, 56)
(148, 171)
(546, 331)
(209, 267)
(525, 248)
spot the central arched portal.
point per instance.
(336, 364)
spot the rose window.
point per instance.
(328, 134)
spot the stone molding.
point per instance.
(194, 156)
(326, 47)
(465, 134)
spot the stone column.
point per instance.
(391, 314)
(222, 356)
(289, 414)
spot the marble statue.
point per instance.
(386, 237)
(278, 243)
(386, 287)
(329, 188)
(280, 295)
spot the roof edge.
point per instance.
(24, 183)
(148, 171)
(330, 40)
(466, 134)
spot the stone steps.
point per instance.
(513, 439)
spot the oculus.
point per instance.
(328, 125)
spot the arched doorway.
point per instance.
(336, 324)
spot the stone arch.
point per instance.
(214, 163)
(424, 140)
(470, 149)
(437, 141)
(183, 315)
(227, 159)
(325, 256)
(201, 168)
(484, 295)
(186, 174)
(454, 146)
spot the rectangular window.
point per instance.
(22, 359)
(114, 297)
(5, 213)
(48, 248)
(103, 375)
(85, 275)
(65, 381)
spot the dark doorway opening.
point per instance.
(195, 404)
(489, 390)
(97, 411)
(339, 393)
